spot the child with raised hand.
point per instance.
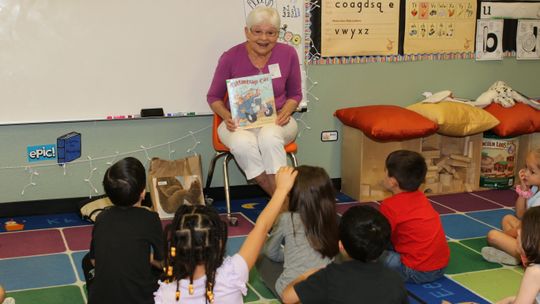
(196, 270)
(309, 230)
(364, 233)
(420, 252)
(529, 245)
(126, 240)
(503, 245)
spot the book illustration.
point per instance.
(173, 191)
(68, 147)
(251, 101)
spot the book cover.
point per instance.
(171, 192)
(251, 101)
(69, 147)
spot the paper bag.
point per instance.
(175, 182)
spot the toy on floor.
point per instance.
(12, 225)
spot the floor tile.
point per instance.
(476, 243)
(464, 202)
(463, 260)
(441, 209)
(505, 281)
(78, 238)
(491, 217)
(443, 290)
(21, 273)
(459, 226)
(27, 243)
(504, 197)
(55, 295)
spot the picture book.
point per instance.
(251, 101)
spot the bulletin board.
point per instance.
(426, 29)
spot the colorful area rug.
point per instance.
(41, 264)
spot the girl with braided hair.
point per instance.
(196, 269)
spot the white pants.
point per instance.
(259, 150)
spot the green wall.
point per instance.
(337, 86)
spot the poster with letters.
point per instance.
(359, 28)
(489, 35)
(439, 26)
(527, 41)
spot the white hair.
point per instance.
(263, 14)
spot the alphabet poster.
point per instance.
(528, 42)
(359, 27)
(439, 26)
(489, 36)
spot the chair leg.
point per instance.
(293, 159)
(210, 175)
(233, 221)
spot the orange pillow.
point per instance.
(386, 122)
(516, 120)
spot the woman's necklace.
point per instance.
(259, 62)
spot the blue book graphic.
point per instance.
(68, 147)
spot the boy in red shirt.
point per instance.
(420, 252)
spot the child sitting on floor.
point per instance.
(126, 240)
(420, 252)
(528, 239)
(309, 231)
(364, 233)
(196, 269)
(503, 245)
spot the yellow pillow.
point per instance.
(456, 119)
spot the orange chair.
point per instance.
(222, 150)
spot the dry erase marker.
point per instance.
(109, 117)
(119, 117)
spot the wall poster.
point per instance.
(439, 26)
(352, 28)
(489, 37)
(528, 40)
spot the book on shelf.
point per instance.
(251, 100)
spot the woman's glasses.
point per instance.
(259, 33)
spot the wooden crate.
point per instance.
(362, 163)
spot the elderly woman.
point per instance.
(259, 152)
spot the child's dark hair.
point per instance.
(313, 198)
(408, 168)
(125, 181)
(196, 236)
(530, 235)
(364, 233)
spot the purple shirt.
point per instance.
(230, 285)
(235, 63)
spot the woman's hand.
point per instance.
(231, 125)
(283, 117)
(284, 114)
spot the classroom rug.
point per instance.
(42, 263)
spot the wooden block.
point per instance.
(433, 168)
(446, 179)
(457, 163)
(461, 157)
(442, 162)
(431, 153)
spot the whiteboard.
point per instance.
(88, 59)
